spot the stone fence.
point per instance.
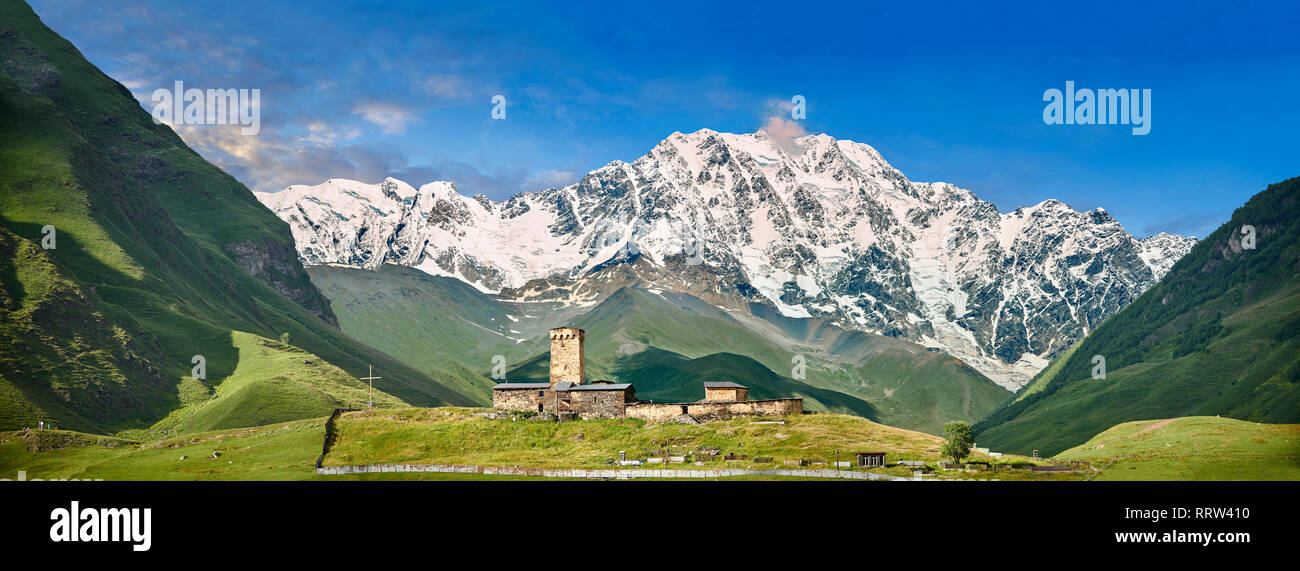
(709, 410)
(598, 474)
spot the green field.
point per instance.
(279, 452)
(457, 436)
(288, 451)
(1194, 448)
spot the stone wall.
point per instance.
(726, 394)
(516, 399)
(655, 411)
(608, 474)
(567, 364)
(599, 404)
(715, 410)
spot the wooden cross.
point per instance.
(370, 403)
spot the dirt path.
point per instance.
(1156, 426)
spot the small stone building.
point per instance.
(725, 392)
(568, 393)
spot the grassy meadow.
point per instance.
(1194, 448)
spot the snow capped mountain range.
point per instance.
(816, 227)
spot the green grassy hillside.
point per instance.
(1194, 448)
(159, 256)
(429, 322)
(457, 436)
(273, 383)
(1199, 448)
(288, 451)
(1219, 335)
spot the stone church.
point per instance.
(568, 394)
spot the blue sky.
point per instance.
(945, 92)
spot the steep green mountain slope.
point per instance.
(159, 256)
(429, 322)
(1219, 335)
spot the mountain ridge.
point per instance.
(816, 228)
(1219, 335)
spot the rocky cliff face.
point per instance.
(276, 266)
(818, 227)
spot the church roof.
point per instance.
(561, 387)
(601, 387)
(723, 385)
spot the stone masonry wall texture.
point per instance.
(567, 359)
(715, 410)
(516, 399)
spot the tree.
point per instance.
(957, 441)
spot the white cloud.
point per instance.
(547, 178)
(446, 85)
(390, 117)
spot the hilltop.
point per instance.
(463, 436)
(1194, 448)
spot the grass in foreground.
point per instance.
(460, 436)
(282, 452)
(1194, 448)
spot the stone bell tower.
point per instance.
(567, 359)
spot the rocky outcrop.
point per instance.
(278, 267)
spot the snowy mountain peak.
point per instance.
(818, 227)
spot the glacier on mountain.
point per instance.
(820, 228)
